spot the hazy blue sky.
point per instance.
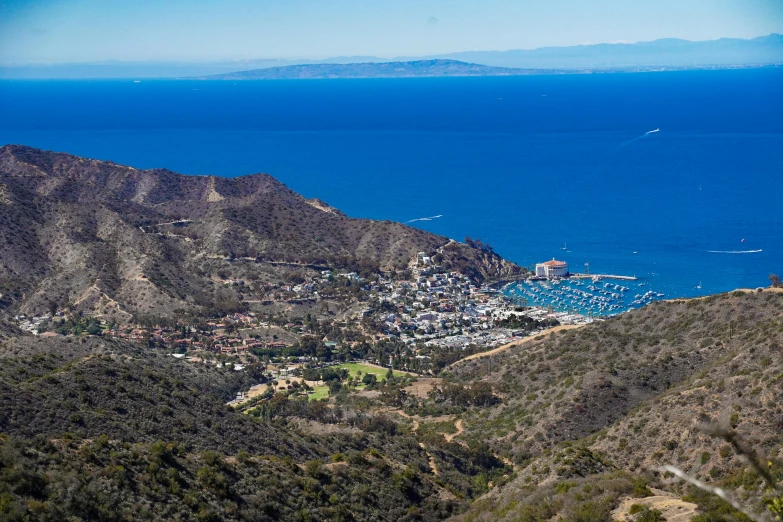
(49, 31)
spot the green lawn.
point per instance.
(321, 392)
(354, 368)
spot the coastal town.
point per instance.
(422, 311)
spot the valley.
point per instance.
(199, 348)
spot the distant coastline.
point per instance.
(410, 69)
(436, 69)
(666, 54)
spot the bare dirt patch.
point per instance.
(423, 386)
(673, 508)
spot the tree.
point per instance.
(775, 280)
(335, 387)
(310, 345)
(94, 329)
(324, 352)
(311, 374)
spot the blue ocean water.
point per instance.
(529, 165)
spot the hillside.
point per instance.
(605, 402)
(103, 429)
(111, 240)
(412, 69)
(567, 424)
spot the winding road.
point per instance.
(525, 340)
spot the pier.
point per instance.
(603, 276)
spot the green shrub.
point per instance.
(650, 515)
(640, 489)
(564, 487)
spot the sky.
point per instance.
(73, 31)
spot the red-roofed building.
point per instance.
(552, 269)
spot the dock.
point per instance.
(603, 276)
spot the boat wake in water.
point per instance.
(734, 251)
(424, 219)
(640, 137)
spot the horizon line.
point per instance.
(401, 58)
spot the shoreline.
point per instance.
(495, 284)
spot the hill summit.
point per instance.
(114, 240)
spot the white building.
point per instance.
(552, 269)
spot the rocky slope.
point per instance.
(112, 240)
(619, 398)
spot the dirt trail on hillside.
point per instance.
(458, 425)
(461, 429)
(673, 508)
(518, 343)
(430, 459)
(449, 438)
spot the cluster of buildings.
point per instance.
(439, 308)
(32, 324)
(433, 306)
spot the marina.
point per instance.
(583, 295)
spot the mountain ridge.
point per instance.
(762, 50)
(665, 52)
(123, 241)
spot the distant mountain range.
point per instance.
(669, 52)
(412, 69)
(665, 53)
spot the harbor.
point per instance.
(577, 296)
(592, 295)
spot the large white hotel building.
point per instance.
(552, 269)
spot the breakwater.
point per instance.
(603, 276)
